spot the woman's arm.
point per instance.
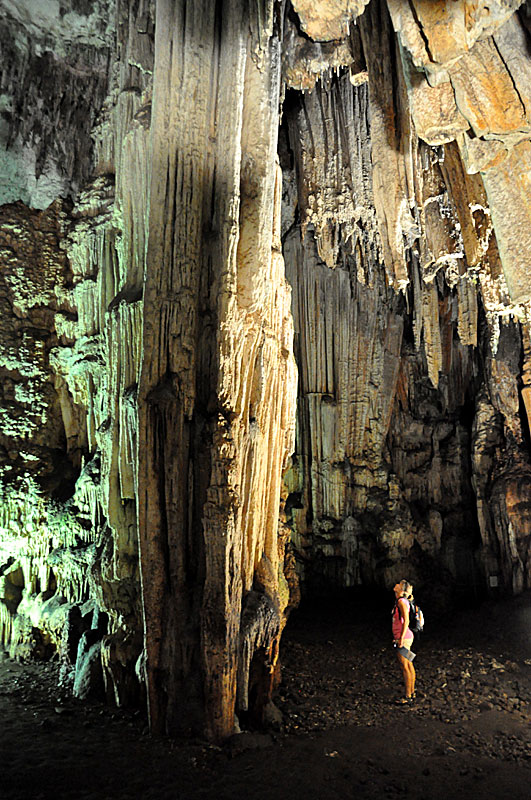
(403, 607)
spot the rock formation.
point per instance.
(265, 326)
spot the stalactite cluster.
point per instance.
(265, 311)
(405, 302)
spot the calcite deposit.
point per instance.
(265, 312)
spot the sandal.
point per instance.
(404, 701)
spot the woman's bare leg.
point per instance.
(412, 674)
(408, 674)
(411, 677)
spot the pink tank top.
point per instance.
(398, 622)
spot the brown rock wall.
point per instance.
(467, 61)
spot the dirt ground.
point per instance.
(468, 734)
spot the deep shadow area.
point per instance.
(466, 736)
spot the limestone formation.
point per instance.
(328, 20)
(69, 518)
(437, 246)
(265, 312)
(217, 389)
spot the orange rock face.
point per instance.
(486, 94)
(327, 20)
(439, 32)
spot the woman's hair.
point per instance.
(407, 589)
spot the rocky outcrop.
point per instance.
(468, 76)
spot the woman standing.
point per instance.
(403, 637)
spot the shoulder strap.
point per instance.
(397, 607)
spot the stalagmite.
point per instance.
(212, 420)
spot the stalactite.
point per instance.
(432, 331)
(467, 323)
(436, 237)
(328, 21)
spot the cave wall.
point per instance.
(233, 233)
(75, 188)
(154, 561)
(409, 332)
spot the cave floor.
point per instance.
(468, 735)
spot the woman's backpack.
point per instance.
(416, 618)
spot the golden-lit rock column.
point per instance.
(217, 391)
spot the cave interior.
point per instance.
(265, 289)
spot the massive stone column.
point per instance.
(216, 395)
(164, 251)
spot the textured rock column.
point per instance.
(216, 397)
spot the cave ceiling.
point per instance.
(265, 297)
